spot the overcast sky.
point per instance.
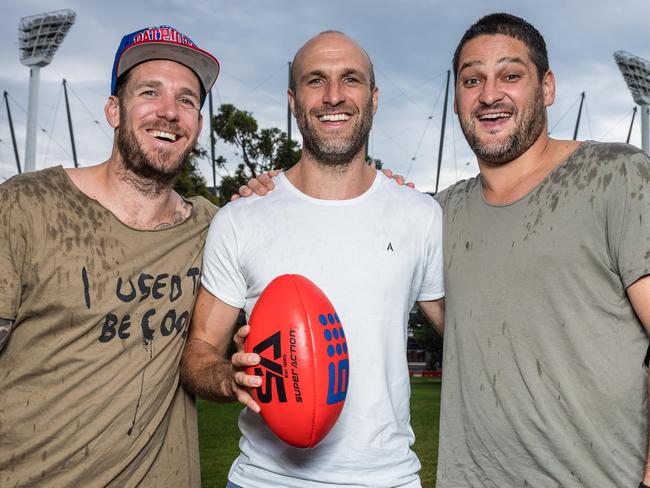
(410, 42)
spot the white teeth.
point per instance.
(499, 115)
(163, 135)
(333, 117)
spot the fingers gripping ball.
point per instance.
(304, 360)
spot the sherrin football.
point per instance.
(304, 362)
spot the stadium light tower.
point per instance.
(636, 72)
(39, 36)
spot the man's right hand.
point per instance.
(206, 370)
(399, 179)
(242, 382)
(260, 185)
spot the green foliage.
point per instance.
(190, 183)
(259, 150)
(376, 161)
(219, 435)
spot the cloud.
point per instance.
(411, 43)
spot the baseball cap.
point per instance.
(164, 42)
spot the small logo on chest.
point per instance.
(390, 247)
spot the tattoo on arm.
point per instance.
(5, 330)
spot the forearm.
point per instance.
(434, 311)
(5, 331)
(205, 372)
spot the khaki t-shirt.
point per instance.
(543, 382)
(89, 391)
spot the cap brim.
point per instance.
(204, 64)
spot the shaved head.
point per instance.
(332, 76)
(297, 58)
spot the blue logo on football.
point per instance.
(339, 368)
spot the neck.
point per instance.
(126, 196)
(328, 182)
(505, 183)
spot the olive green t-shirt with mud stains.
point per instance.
(89, 376)
(543, 383)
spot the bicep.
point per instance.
(627, 211)
(213, 320)
(434, 310)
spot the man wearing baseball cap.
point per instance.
(99, 269)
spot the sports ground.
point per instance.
(219, 436)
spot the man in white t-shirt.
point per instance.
(372, 246)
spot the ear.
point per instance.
(455, 105)
(375, 100)
(200, 123)
(292, 101)
(548, 85)
(112, 111)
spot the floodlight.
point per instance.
(636, 73)
(39, 36)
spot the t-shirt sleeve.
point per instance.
(12, 254)
(628, 218)
(433, 286)
(441, 197)
(222, 274)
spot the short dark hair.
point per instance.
(292, 71)
(511, 26)
(123, 80)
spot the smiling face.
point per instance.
(500, 102)
(333, 99)
(157, 119)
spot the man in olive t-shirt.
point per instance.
(99, 270)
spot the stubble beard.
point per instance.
(151, 173)
(526, 132)
(334, 152)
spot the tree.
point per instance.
(190, 183)
(376, 161)
(258, 150)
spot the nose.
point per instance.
(490, 92)
(168, 108)
(334, 94)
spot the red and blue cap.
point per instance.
(164, 42)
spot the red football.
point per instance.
(304, 360)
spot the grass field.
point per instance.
(219, 435)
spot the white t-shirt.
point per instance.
(373, 256)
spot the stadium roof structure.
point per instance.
(39, 36)
(636, 72)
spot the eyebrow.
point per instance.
(188, 91)
(346, 72)
(503, 60)
(158, 84)
(147, 83)
(355, 72)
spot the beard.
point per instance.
(334, 151)
(154, 171)
(530, 123)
